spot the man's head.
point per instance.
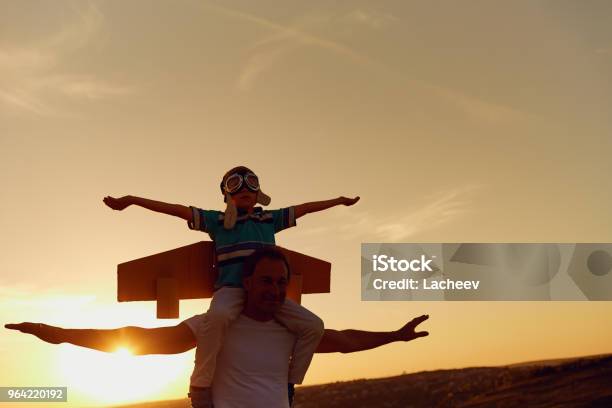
(265, 278)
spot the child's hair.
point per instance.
(269, 252)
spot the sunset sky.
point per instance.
(455, 121)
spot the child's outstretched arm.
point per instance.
(315, 206)
(176, 210)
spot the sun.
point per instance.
(123, 351)
(119, 377)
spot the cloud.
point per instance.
(258, 63)
(371, 19)
(282, 32)
(30, 77)
(84, 87)
(443, 208)
(24, 296)
(21, 302)
(477, 109)
(75, 36)
(270, 51)
(438, 209)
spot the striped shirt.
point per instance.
(252, 231)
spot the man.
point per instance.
(253, 365)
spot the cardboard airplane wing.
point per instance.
(190, 272)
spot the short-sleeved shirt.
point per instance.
(251, 232)
(252, 366)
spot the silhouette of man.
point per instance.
(254, 361)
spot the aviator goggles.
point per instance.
(236, 181)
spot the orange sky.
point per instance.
(455, 122)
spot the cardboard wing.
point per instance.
(190, 272)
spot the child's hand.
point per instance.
(348, 201)
(117, 203)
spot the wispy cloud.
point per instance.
(31, 77)
(372, 19)
(24, 296)
(260, 62)
(397, 224)
(296, 33)
(476, 108)
(441, 208)
(604, 51)
(270, 51)
(20, 302)
(266, 53)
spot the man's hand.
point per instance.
(50, 334)
(118, 203)
(407, 333)
(348, 201)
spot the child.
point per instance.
(237, 233)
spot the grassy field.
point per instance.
(572, 382)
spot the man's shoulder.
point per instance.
(242, 322)
(194, 321)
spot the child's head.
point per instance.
(242, 185)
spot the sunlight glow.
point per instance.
(124, 351)
(119, 377)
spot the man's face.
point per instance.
(267, 287)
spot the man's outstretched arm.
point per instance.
(161, 340)
(350, 341)
(178, 339)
